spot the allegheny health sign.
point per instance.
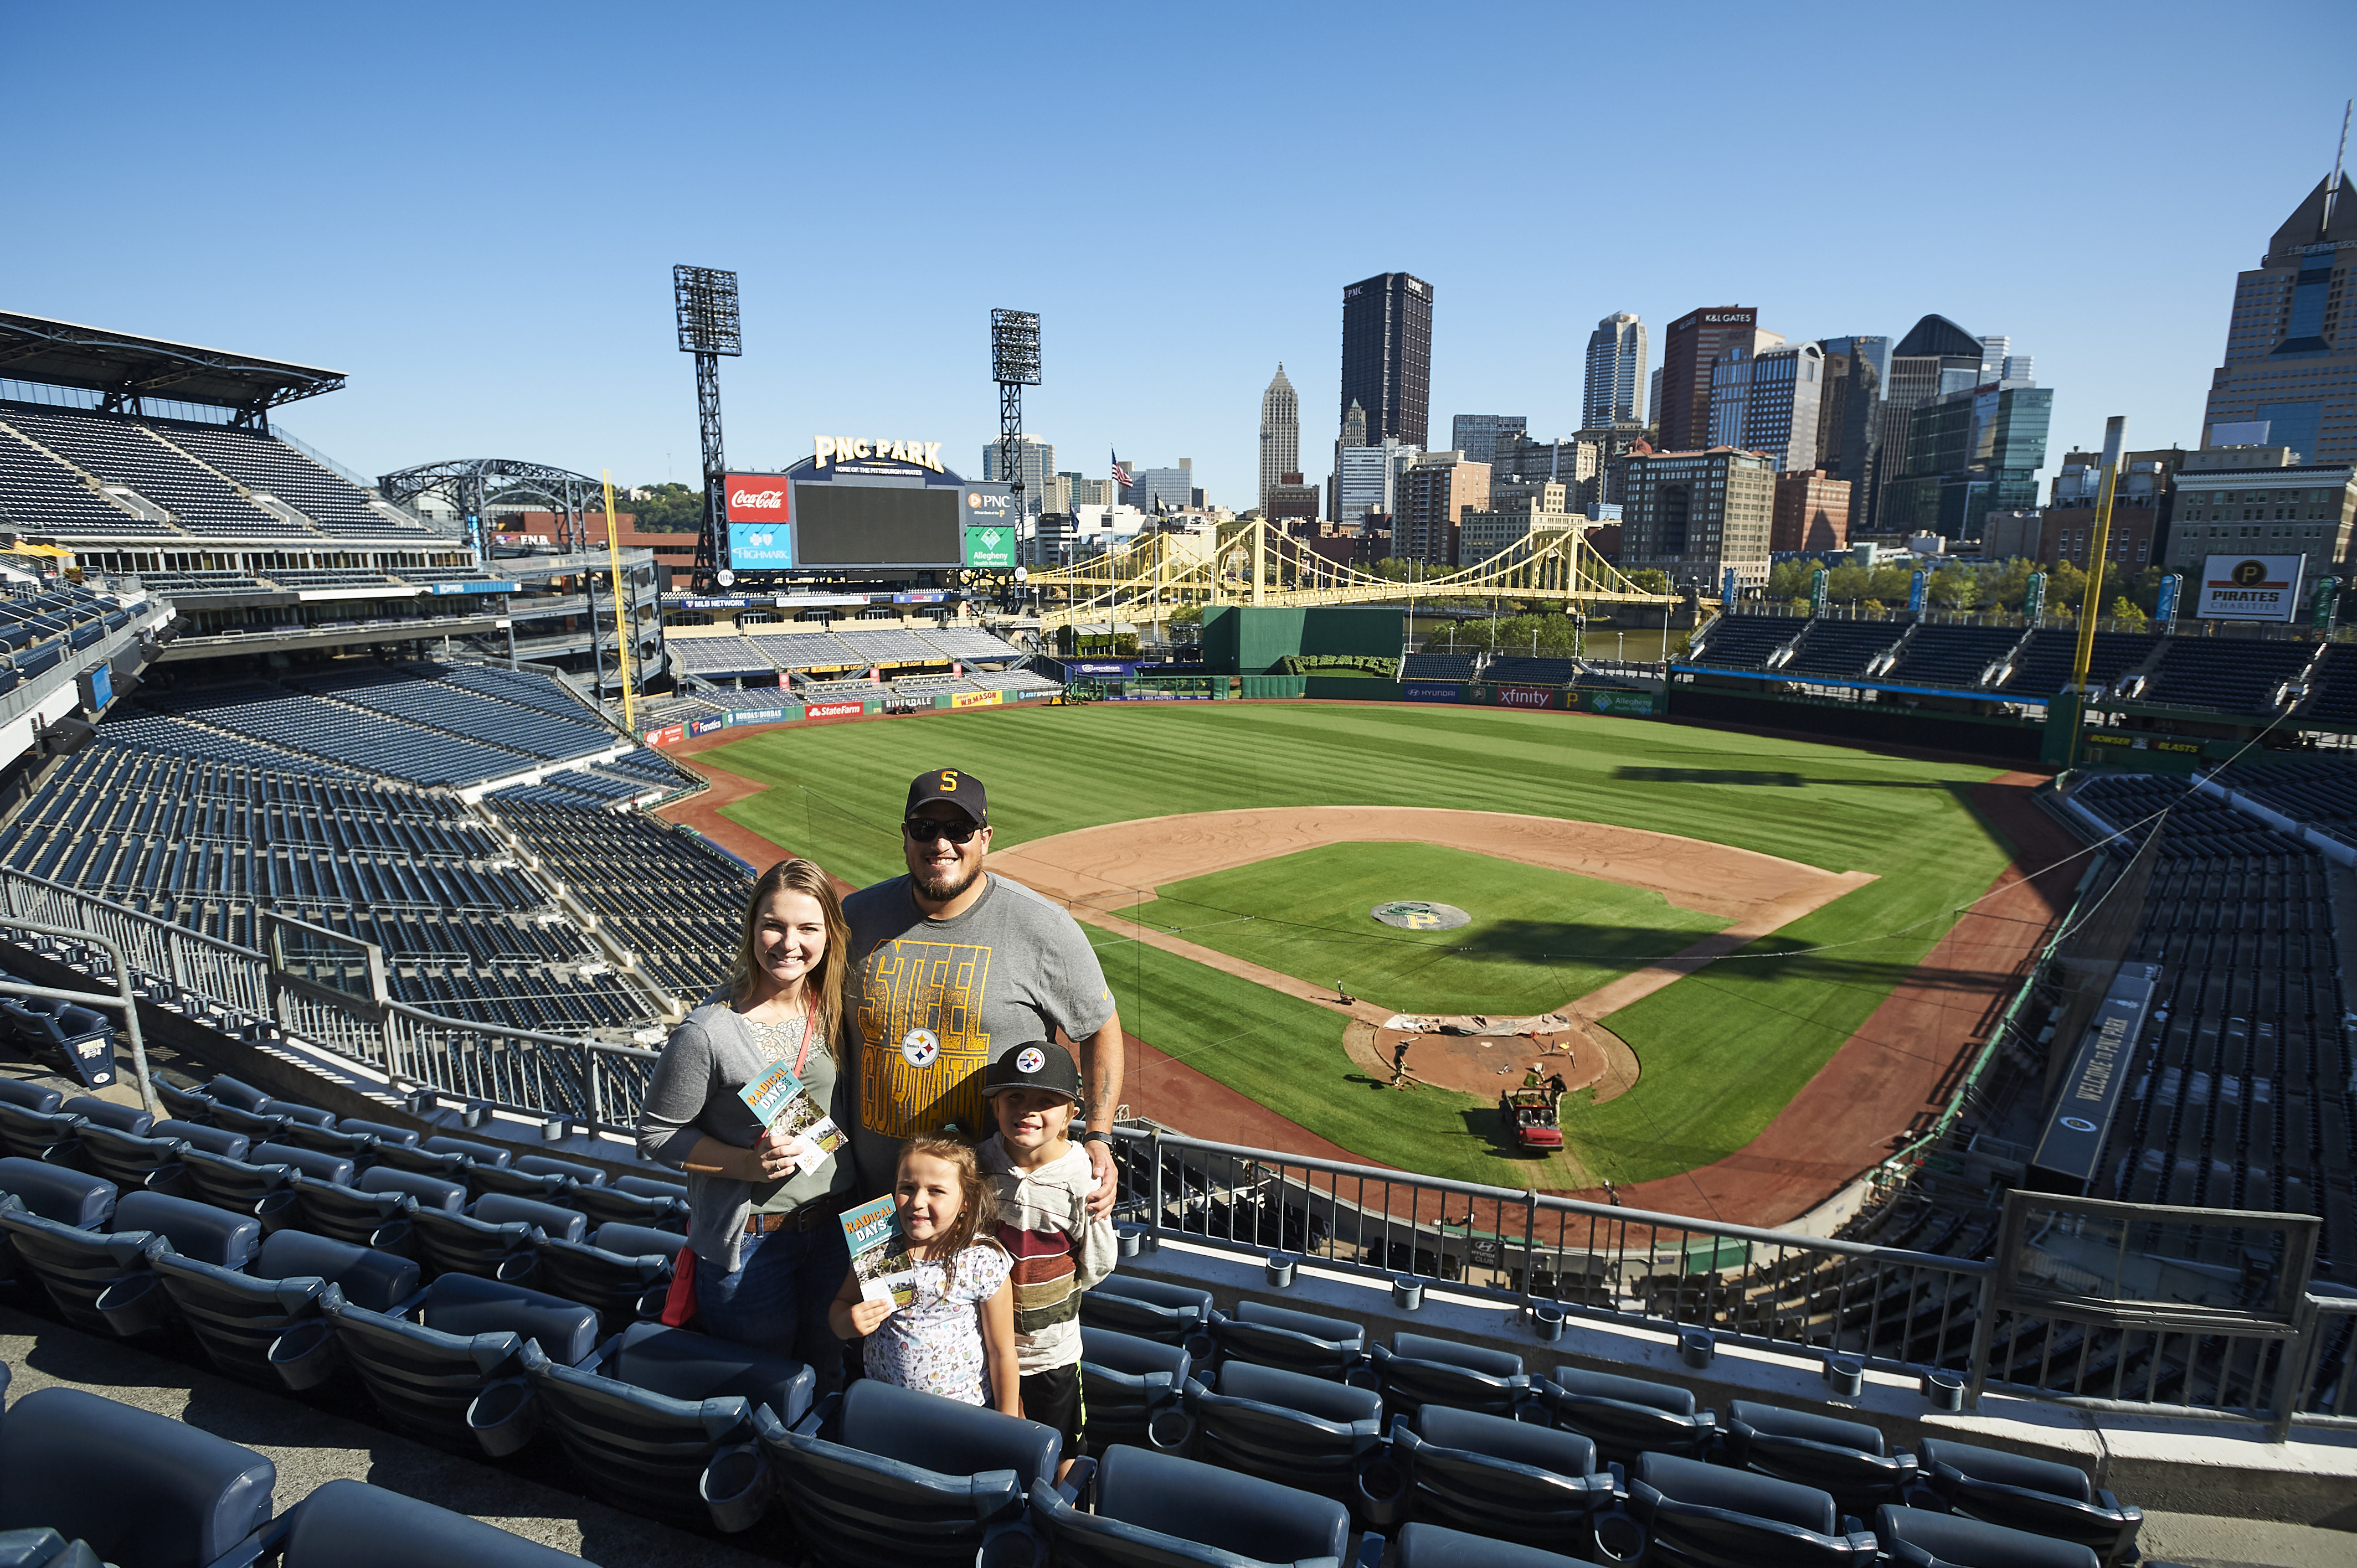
(992, 546)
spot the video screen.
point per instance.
(863, 525)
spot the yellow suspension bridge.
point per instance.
(1250, 562)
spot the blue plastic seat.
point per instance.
(101, 1281)
(188, 1104)
(1418, 1370)
(384, 1132)
(129, 1160)
(424, 1367)
(255, 1125)
(211, 1140)
(1496, 1476)
(614, 1204)
(450, 1164)
(430, 1191)
(346, 1213)
(358, 1147)
(895, 1476)
(238, 1314)
(1146, 1309)
(1422, 1545)
(1627, 1416)
(55, 1192)
(548, 1218)
(1916, 1538)
(350, 1524)
(465, 1244)
(509, 1180)
(299, 1115)
(1710, 1516)
(624, 1270)
(1295, 1429)
(1133, 1390)
(1291, 1341)
(1158, 1511)
(2036, 1495)
(229, 1182)
(338, 1169)
(144, 1490)
(223, 1090)
(107, 1114)
(476, 1152)
(31, 1096)
(572, 1170)
(29, 1134)
(1843, 1457)
(642, 1424)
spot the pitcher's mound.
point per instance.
(1415, 915)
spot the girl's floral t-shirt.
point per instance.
(935, 1345)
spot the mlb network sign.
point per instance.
(2250, 588)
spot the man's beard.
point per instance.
(959, 879)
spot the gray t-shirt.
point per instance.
(929, 1003)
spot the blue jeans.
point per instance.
(777, 1298)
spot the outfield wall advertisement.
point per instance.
(1431, 690)
(975, 699)
(1623, 704)
(834, 710)
(1523, 696)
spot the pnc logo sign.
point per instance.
(844, 449)
(976, 502)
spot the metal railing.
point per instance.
(2040, 1321)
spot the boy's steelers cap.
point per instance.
(1039, 1064)
(960, 788)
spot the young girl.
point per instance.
(958, 1338)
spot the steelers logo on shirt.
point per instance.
(920, 1046)
(1030, 1059)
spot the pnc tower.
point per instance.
(1387, 357)
(2288, 367)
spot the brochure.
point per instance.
(788, 1110)
(880, 1253)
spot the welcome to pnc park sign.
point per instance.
(844, 449)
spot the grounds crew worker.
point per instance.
(950, 959)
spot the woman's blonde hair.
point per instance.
(977, 1216)
(825, 980)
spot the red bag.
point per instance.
(679, 1306)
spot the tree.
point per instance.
(1649, 580)
(669, 508)
(2127, 609)
(1847, 585)
(2005, 586)
(1890, 584)
(1952, 588)
(2065, 586)
(1791, 580)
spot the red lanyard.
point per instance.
(803, 1060)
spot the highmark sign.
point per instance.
(844, 449)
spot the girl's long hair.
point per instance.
(825, 981)
(977, 1216)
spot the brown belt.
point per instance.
(798, 1219)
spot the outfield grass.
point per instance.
(1538, 938)
(1722, 1051)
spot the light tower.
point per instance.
(1014, 365)
(704, 299)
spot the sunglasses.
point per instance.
(924, 830)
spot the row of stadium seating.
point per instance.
(2237, 675)
(2240, 1093)
(290, 1265)
(761, 651)
(192, 472)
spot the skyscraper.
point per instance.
(1849, 418)
(1280, 433)
(1768, 401)
(1035, 460)
(1936, 357)
(1430, 500)
(1387, 355)
(1616, 372)
(1479, 436)
(1689, 349)
(2286, 367)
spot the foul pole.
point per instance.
(2115, 430)
(621, 629)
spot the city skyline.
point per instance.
(564, 353)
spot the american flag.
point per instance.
(1121, 475)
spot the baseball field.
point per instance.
(1225, 857)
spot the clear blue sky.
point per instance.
(473, 209)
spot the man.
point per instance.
(950, 959)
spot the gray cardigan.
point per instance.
(709, 1057)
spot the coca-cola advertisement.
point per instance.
(757, 497)
(1526, 696)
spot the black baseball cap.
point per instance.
(1037, 1064)
(960, 788)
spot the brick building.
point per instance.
(1812, 512)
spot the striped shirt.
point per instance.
(1058, 1250)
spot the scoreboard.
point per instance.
(867, 506)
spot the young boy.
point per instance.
(1043, 1180)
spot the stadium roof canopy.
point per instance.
(122, 369)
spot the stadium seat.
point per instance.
(1146, 1309)
(79, 1040)
(44, 1547)
(624, 1270)
(467, 1244)
(1497, 1476)
(107, 1114)
(223, 1090)
(431, 1192)
(1917, 1537)
(1134, 1391)
(1291, 1341)
(449, 1165)
(1710, 1516)
(31, 1096)
(228, 1182)
(298, 1114)
(346, 1213)
(512, 1180)
(1158, 1511)
(238, 1314)
(358, 1147)
(641, 1423)
(480, 1152)
(613, 1205)
(144, 1490)
(1291, 1427)
(548, 1218)
(1418, 1370)
(196, 1135)
(188, 1104)
(2036, 1495)
(101, 1281)
(895, 1476)
(350, 1524)
(424, 1361)
(1422, 1545)
(129, 1160)
(1843, 1457)
(254, 1124)
(54, 1192)
(29, 1134)
(313, 1162)
(383, 1132)
(1627, 1416)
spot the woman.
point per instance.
(768, 1247)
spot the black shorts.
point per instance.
(1052, 1398)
